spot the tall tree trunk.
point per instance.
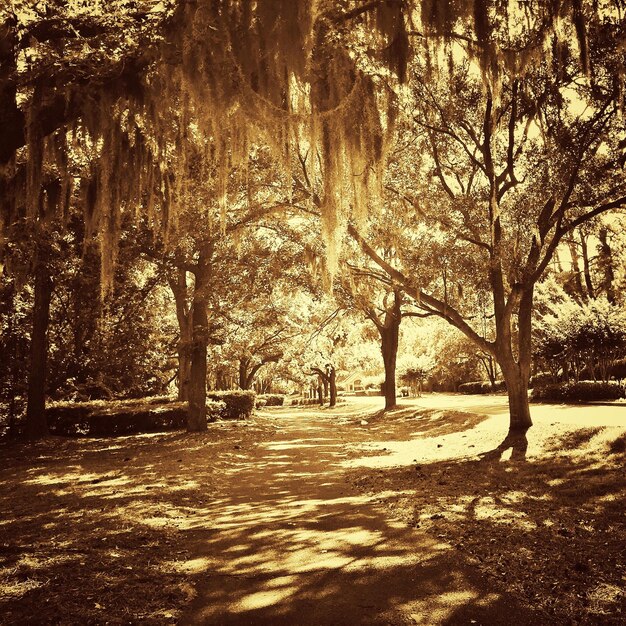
(606, 264)
(389, 347)
(179, 288)
(196, 412)
(586, 267)
(332, 384)
(576, 284)
(244, 379)
(36, 425)
(516, 368)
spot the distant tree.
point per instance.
(414, 371)
(578, 338)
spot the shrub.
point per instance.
(583, 391)
(270, 399)
(106, 419)
(238, 404)
(541, 379)
(618, 369)
(472, 387)
(215, 409)
(305, 401)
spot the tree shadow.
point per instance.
(549, 529)
(245, 524)
(262, 522)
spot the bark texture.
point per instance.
(36, 425)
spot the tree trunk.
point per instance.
(332, 383)
(517, 390)
(605, 258)
(586, 268)
(36, 425)
(184, 317)
(389, 348)
(488, 363)
(255, 370)
(184, 371)
(516, 371)
(576, 284)
(196, 413)
(244, 379)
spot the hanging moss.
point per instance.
(581, 33)
(289, 75)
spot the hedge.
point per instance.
(114, 418)
(305, 401)
(481, 386)
(102, 418)
(584, 390)
(238, 404)
(270, 399)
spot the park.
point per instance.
(312, 312)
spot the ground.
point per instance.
(425, 515)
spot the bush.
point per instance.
(481, 386)
(618, 369)
(107, 419)
(238, 404)
(541, 379)
(215, 409)
(583, 391)
(270, 399)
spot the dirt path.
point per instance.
(306, 516)
(290, 541)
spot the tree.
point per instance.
(574, 339)
(504, 175)
(312, 84)
(384, 304)
(265, 301)
(414, 370)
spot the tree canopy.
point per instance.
(475, 135)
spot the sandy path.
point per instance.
(290, 541)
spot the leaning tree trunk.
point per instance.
(389, 348)
(36, 425)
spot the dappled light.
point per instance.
(313, 312)
(258, 521)
(352, 515)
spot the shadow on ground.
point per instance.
(282, 521)
(549, 529)
(293, 543)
